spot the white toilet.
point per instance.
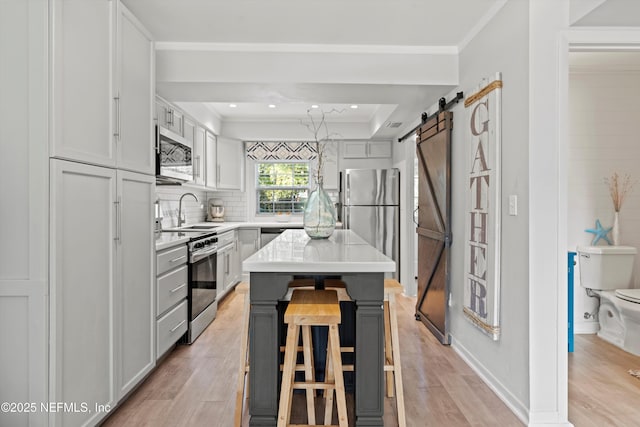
(607, 270)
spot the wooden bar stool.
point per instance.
(392, 347)
(392, 365)
(241, 390)
(311, 308)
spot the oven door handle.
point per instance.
(200, 255)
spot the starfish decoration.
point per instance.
(600, 233)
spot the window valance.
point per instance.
(286, 150)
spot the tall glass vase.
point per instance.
(319, 214)
(615, 230)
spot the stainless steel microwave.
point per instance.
(174, 160)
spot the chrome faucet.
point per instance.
(180, 207)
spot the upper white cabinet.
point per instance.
(366, 149)
(102, 85)
(169, 116)
(330, 171)
(135, 94)
(230, 164)
(199, 155)
(211, 161)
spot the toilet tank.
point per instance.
(606, 267)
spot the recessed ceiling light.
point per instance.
(272, 105)
(354, 106)
(314, 106)
(233, 105)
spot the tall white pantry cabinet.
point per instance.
(77, 171)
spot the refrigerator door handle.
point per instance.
(347, 190)
(345, 220)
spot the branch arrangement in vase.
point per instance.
(619, 189)
(320, 131)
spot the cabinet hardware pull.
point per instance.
(178, 288)
(178, 259)
(116, 133)
(177, 326)
(116, 205)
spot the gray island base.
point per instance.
(362, 268)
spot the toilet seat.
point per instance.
(631, 295)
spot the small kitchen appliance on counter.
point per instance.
(215, 210)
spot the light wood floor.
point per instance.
(601, 392)
(195, 385)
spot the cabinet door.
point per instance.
(135, 93)
(249, 243)
(330, 172)
(83, 104)
(175, 121)
(211, 163)
(379, 149)
(83, 223)
(354, 149)
(249, 239)
(230, 163)
(162, 113)
(199, 156)
(189, 128)
(135, 302)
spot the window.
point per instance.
(281, 187)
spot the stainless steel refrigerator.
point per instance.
(370, 205)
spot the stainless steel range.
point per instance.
(202, 301)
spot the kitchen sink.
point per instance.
(199, 227)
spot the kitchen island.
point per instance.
(294, 255)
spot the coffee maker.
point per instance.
(215, 210)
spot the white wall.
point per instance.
(501, 46)
(604, 115)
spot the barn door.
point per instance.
(434, 223)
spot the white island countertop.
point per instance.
(294, 251)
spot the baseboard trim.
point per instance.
(512, 402)
(586, 328)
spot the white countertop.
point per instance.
(173, 236)
(344, 252)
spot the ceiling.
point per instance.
(392, 58)
(604, 61)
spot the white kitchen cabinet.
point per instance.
(199, 155)
(102, 304)
(227, 272)
(330, 171)
(171, 301)
(24, 225)
(379, 149)
(169, 117)
(135, 92)
(249, 243)
(230, 163)
(366, 149)
(189, 126)
(83, 277)
(135, 296)
(211, 160)
(102, 86)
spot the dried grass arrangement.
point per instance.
(619, 189)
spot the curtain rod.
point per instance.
(442, 106)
